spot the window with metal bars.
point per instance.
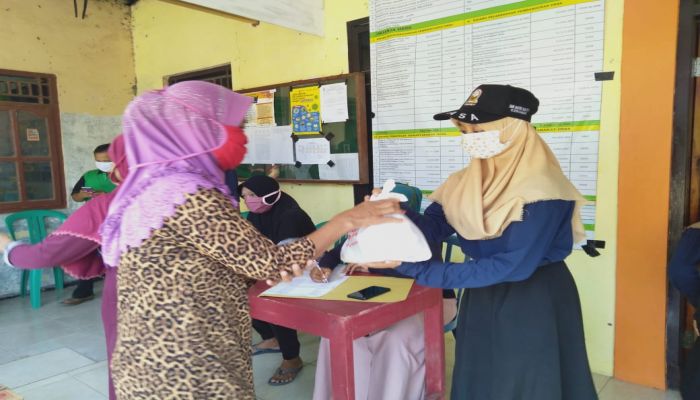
(31, 162)
(220, 75)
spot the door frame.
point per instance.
(679, 194)
(354, 28)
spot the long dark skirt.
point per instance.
(690, 380)
(523, 341)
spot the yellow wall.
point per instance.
(595, 277)
(92, 57)
(171, 37)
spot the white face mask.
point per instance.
(104, 166)
(484, 144)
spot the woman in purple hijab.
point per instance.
(184, 255)
(75, 246)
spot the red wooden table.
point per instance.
(343, 321)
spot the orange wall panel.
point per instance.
(646, 119)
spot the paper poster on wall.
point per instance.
(33, 135)
(428, 56)
(334, 102)
(262, 111)
(269, 145)
(306, 110)
(313, 151)
(346, 167)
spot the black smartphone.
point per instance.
(368, 292)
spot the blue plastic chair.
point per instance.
(36, 225)
(450, 242)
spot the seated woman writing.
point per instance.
(277, 216)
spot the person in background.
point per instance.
(183, 253)
(520, 333)
(96, 181)
(683, 274)
(278, 216)
(93, 183)
(395, 354)
(75, 245)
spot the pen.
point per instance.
(325, 280)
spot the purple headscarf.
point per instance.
(169, 135)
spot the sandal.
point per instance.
(72, 301)
(278, 379)
(257, 350)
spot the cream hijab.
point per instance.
(481, 200)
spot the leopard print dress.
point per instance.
(184, 324)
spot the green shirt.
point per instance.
(96, 180)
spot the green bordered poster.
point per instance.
(428, 56)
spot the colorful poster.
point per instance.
(306, 110)
(428, 56)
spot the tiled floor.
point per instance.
(58, 353)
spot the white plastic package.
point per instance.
(386, 242)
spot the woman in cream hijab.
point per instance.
(520, 331)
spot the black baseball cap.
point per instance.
(492, 102)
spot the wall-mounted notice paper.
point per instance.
(428, 56)
(334, 102)
(346, 167)
(262, 111)
(269, 145)
(313, 151)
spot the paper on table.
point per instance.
(346, 168)
(269, 145)
(313, 151)
(334, 102)
(303, 286)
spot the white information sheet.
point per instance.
(346, 168)
(269, 145)
(313, 151)
(334, 102)
(427, 56)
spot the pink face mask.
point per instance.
(260, 205)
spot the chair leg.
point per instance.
(58, 277)
(35, 289)
(23, 283)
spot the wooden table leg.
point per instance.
(434, 351)
(342, 367)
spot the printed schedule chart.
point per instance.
(428, 55)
